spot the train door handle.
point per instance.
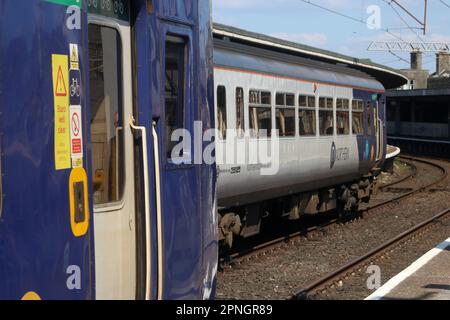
(158, 209)
(143, 131)
(118, 129)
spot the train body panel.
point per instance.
(36, 241)
(90, 209)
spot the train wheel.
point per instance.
(229, 225)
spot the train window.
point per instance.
(222, 111)
(357, 116)
(326, 120)
(280, 99)
(307, 115)
(375, 115)
(260, 113)
(265, 98)
(285, 114)
(106, 114)
(239, 112)
(290, 100)
(175, 88)
(369, 118)
(343, 116)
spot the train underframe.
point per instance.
(246, 221)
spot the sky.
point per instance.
(298, 21)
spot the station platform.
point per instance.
(421, 146)
(392, 152)
(428, 278)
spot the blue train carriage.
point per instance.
(93, 205)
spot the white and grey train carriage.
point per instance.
(331, 127)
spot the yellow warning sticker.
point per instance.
(74, 63)
(60, 72)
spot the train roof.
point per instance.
(227, 36)
(240, 57)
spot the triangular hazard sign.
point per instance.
(74, 57)
(60, 90)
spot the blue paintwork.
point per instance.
(190, 234)
(366, 141)
(36, 242)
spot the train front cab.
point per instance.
(147, 226)
(372, 144)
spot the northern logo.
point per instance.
(333, 155)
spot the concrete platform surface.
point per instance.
(426, 279)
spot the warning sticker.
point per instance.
(60, 87)
(60, 73)
(76, 136)
(74, 62)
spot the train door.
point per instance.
(112, 156)
(378, 131)
(180, 216)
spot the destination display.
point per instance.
(117, 9)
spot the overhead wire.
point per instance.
(386, 30)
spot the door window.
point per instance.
(106, 114)
(358, 116)
(175, 75)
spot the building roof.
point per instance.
(390, 78)
(418, 93)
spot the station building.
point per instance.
(418, 115)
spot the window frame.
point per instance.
(341, 110)
(326, 109)
(359, 111)
(240, 134)
(368, 118)
(285, 107)
(115, 25)
(219, 85)
(308, 108)
(262, 106)
(189, 114)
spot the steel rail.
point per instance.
(350, 267)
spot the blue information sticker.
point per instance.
(75, 88)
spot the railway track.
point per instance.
(408, 194)
(279, 243)
(332, 279)
(412, 174)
